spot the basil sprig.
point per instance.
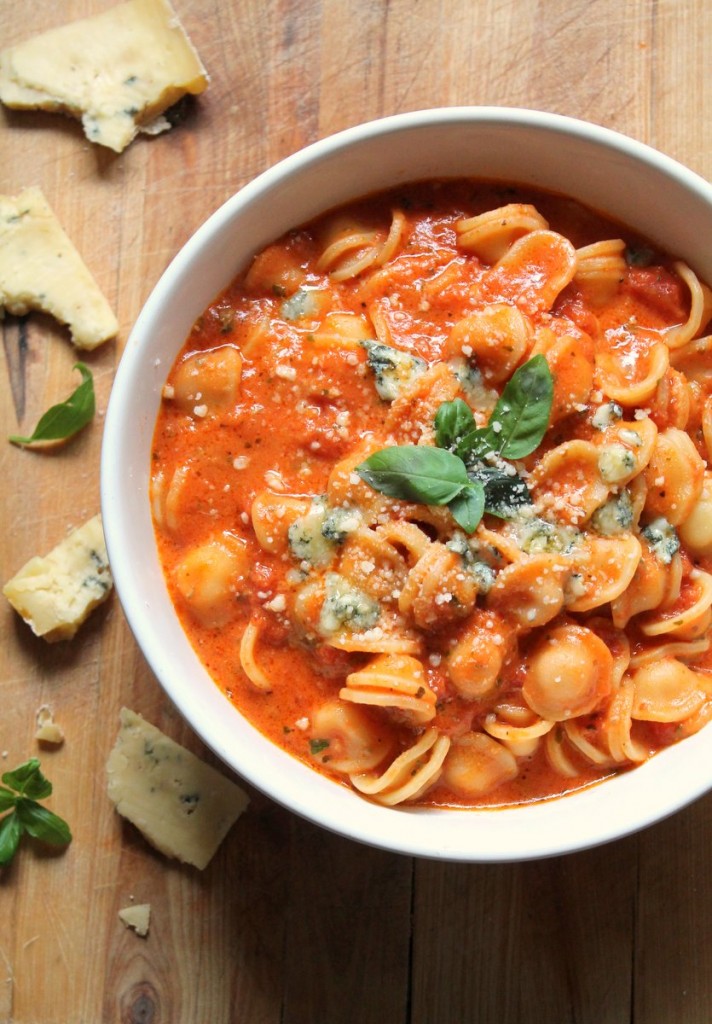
(22, 788)
(65, 419)
(429, 476)
(458, 472)
(517, 424)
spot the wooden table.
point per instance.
(291, 924)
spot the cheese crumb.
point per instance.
(47, 729)
(285, 372)
(137, 917)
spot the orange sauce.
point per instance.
(303, 405)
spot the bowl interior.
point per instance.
(629, 182)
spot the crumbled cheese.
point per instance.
(393, 370)
(274, 480)
(47, 729)
(662, 538)
(54, 594)
(615, 516)
(346, 606)
(606, 415)
(536, 535)
(277, 604)
(285, 372)
(615, 463)
(306, 537)
(480, 397)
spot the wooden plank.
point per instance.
(348, 924)
(673, 936)
(290, 923)
(546, 940)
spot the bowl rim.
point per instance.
(422, 831)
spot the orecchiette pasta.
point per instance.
(520, 604)
(208, 578)
(207, 383)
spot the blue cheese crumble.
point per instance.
(394, 371)
(662, 538)
(346, 606)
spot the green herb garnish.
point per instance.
(504, 492)
(639, 255)
(453, 423)
(22, 788)
(455, 473)
(316, 746)
(520, 417)
(64, 420)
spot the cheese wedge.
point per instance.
(41, 269)
(182, 806)
(116, 71)
(54, 594)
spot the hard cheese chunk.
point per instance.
(181, 805)
(116, 71)
(55, 594)
(41, 269)
(137, 917)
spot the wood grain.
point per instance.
(290, 924)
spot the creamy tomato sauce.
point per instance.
(350, 627)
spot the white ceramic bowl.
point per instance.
(611, 173)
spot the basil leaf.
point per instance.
(431, 476)
(521, 415)
(7, 799)
(43, 824)
(17, 779)
(453, 421)
(476, 445)
(10, 832)
(37, 786)
(468, 506)
(65, 419)
(504, 494)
